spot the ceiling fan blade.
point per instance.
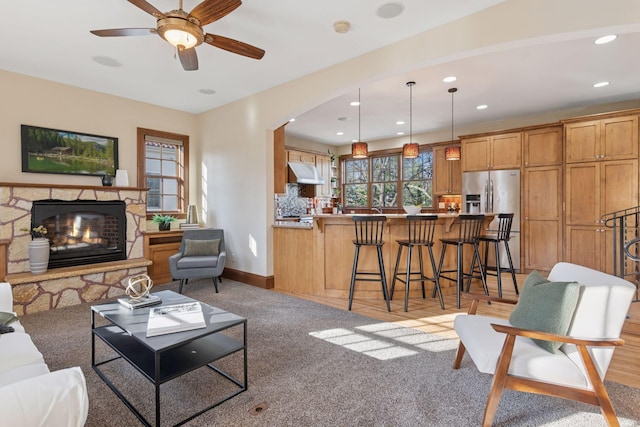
(117, 32)
(212, 10)
(234, 46)
(188, 58)
(151, 10)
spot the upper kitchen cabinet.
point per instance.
(301, 157)
(611, 138)
(447, 177)
(543, 146)
(499, 151)
(323, 164)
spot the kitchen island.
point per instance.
(317, 259)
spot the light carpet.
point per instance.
(312, 365)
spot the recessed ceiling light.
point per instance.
(339, 133)
(390, 10)
(601, 84)
(482, 107)
(606, 39)
(400, 133)
(400, 122)
(106, 61)
(354, 103)
(450, 79)
(292, 119)
(207, 91)
(354, 140)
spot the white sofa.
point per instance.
(30, 395)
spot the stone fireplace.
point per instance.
(65, 285)
(82, 232)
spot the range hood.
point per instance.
(306, 173)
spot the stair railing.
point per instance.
(626, 243)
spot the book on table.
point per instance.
(145, 301)
(175, 318)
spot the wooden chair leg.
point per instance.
(598, 387)
(459, 356)
(499, 380)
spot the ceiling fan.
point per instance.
(184, 30)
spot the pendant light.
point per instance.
(452, 153)
(410, 150)
(359, 150)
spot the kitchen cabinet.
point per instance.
(158, 247)
(323, 164)
(612, 138)
(542, 147)
(500, 151)
(447, 177)
(301, 156)
(591, 247)
(542, 227)
(592, 190)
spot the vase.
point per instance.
(107, 181)
(39, 255)
(164, 226)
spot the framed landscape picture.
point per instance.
(47, 150)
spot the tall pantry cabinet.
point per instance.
(542, 198)
(601, 177)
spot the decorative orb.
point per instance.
(139, 286)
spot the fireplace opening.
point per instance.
(82, 231)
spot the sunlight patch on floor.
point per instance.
(385, 341)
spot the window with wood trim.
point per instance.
(164, 169)
(388, 180)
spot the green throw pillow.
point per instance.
(546, 306)
(201, 247)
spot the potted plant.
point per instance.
(163, 221)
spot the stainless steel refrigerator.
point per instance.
(495, 192)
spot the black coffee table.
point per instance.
(166, 357)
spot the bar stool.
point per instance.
(369, 229)
(505, 220)
(420, 233)
(470, 227)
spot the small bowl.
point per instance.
(412, 209)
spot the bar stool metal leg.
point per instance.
(353, 275)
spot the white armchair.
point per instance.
(576, 371)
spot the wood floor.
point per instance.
(426, 315)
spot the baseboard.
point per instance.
(265, 282)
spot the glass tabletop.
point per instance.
(134, 321)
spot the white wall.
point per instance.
(27, 100)
(239, 156)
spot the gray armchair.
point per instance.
(202, 254)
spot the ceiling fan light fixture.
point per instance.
(180, 32)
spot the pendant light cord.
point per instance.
(452, 91)
(410, 84)
(359, 139)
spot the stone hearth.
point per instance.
(70, 285)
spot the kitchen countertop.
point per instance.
(319, 217)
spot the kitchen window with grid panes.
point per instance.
(356, 183)
(165, 171)
(417, 177)
(384, 181)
